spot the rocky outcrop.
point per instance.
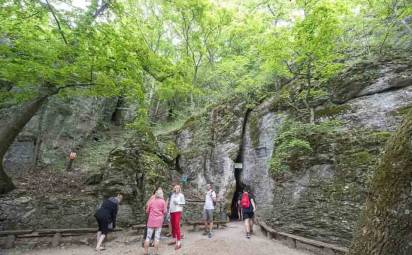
(58, 127)
(136, 170)
(371, 77)
(63, 124)
(25, 211)
(209, 146)
(323, 197)
(261, 129)
(322, 193)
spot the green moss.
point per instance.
(404, 110)
(333, 110)
(361, 158)
(298, 141)
(381, 136)
(254, 129)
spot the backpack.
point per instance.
(245, 201)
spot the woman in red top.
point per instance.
(156, 209)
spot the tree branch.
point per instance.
(101, 9)
(74, 85)
(57, 21)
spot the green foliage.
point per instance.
(188, 54)
(297, 139)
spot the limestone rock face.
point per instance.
(323, 198)
(378, 111)
(209, 146)
(58, 127)
(25, 211)
(135, 170)
(373, 77)
(258, 145)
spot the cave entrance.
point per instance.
(234, 209)
(117, 115)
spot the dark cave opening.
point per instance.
(234, 208)
(234, 212)
(117, 114)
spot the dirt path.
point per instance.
(230, 240)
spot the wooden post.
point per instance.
(10, 241)
(56, 239)
(327, 251)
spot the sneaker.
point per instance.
(205, 233)
(209, 235)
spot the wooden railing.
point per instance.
(57, 234)
(299, 242)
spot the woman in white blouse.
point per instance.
(177, 200)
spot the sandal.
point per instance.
(177, 247)
(100, 249)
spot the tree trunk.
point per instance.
(6, 184)
(385, 227)
(39, 138)
(10, 131)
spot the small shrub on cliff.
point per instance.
(297, 140)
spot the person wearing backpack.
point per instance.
(247, 203)
(210, 201)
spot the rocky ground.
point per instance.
(230, 240)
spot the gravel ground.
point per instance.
(230, 240)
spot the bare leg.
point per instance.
(247, 226)
(211, 226)
(100, 241)
(146, 247)
(251, 225)
(99, 233)
(156, 247)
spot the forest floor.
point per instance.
(230, 240)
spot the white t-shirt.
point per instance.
(210, 196)
(176, 202)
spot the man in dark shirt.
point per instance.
(105, 216)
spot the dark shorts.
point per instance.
(103, 224)
(248, 214)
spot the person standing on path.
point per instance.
(210, 200)
(105, 216)
(167, 218)
(156, 209)
(177, 200)
(153, 196)
(247, 202)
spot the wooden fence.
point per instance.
(299, 242)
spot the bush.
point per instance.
(297, 139)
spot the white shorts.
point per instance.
(150, 233)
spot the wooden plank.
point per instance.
(71, 230)
(304, 240)
(11, 239)
(202, 222)
(15, 232)
(142, 226)
(56, 240)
